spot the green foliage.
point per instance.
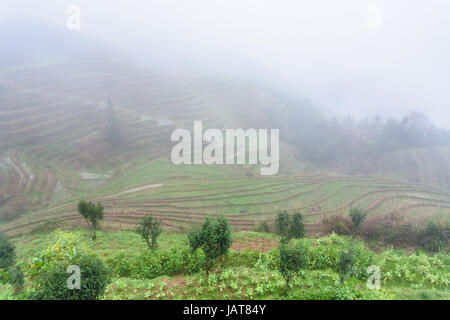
(435, 237)
(282, 223)
(92, 214)
(152, 264)
(289, 227)
(213, 237)
(292, 260)
(297, 227)
(7, 252)
(52, 284)
(16, 278)
(150, 230)
(346, 264)
(416, 270)
(358, 217)
(49, 270)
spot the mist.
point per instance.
(328, 52)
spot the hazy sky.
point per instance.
(335, 53)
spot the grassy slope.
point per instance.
(239, 277)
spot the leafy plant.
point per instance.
(297, 227)
(346, 264)
(213, 237)
(150, 230)
(92, 214)
(49, 270)
(292, 260)
(7, 252)
(282, 223)
(358, 217)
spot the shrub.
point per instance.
(390, 228)
(152, 264)
(346, 264)
(49, 270)
(292, 260)
(92, 214)
(264, 227)
(336, 223)
(16, 278)
(297, 227)
(150, 230)
(435, 236)
(213, 237)
(358, 217)
(7, 252)
(282, 223)
(52, 283)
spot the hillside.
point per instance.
(55, 149)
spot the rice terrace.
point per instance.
(89, 128)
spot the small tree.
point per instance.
(150, 230)
(292, 260)
(213, 237)
(358, 217)
(297, 228)
(282, 226)
(92, 214)
(7, 253)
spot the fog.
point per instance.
(340, 55)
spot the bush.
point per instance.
(152, 264)
(435, 236)
(336, 223)
(150, 230)
(213, 237)
(394, 229)
(358, 217)
(264, 227)
(297, 227)
(49, 270)
(52, 283)
(16, 278)
(7, 253)
(282, 223)
(346, 264)
(292, 260)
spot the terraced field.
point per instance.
(181, 195)
(54, 151)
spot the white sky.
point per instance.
(320, 49)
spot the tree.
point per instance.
(358, 217)
(114, 132)
(292, 260)
(282, 223)
(213, 237)
(150, 230)
(297, 227)
(92, 214)
(7, 252)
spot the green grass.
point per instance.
(253, 275)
